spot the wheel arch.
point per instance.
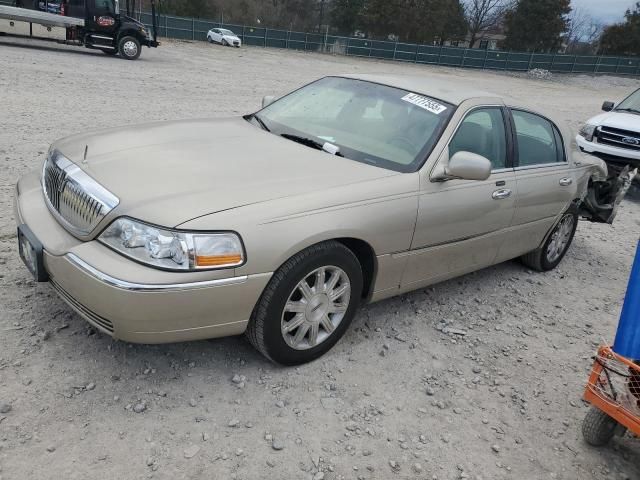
(129, 32)
(364, 252)
(368, 262)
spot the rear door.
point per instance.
(544, 180)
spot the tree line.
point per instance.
(526, 25)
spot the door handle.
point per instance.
(500, 194)
(566, 181)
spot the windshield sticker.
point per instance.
(425, 102)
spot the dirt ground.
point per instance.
(396, 398)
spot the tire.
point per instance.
(209, 39)
(129, 47)
(270, 318)
(598, 428)
(111, 53)
(550, 255)
(223, 43)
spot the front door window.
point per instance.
(483, 132)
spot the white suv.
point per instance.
(614, 136)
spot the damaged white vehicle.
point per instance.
(613, 137)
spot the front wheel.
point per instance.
(307, 305)
(223, 43)
(598, 428)
(129, 48)
(555, 247)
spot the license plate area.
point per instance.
(31, 253)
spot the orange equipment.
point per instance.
(614, 394)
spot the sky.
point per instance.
(606, 11)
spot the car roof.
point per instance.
(449, 90)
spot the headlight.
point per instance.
(587, 132)
(173, 249)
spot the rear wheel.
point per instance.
(555, 247)
(307, 305)
(129, 47)
(598, 428)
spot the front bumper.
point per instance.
(608, 152)
(150, 42)
(130, 301)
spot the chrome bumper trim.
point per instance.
(150, 287)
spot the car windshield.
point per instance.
(368, 122)
(226, 32)
(631, 103)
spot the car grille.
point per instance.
(94, 319)
(79, 202)
(617, 137)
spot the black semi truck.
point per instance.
(96, 24)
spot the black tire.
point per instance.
(129, 47)
(209, 39)
(598, 428)
(539, 259)
(111, 53)
(223, 43)
(264, 329)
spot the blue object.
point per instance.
(627, 341)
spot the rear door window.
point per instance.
(539, 141)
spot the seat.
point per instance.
(473, 138)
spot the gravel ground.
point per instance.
(396, 398)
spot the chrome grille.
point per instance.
(617, 137)
(77, 200)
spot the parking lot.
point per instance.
(398, 397)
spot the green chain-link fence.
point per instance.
(196, 29)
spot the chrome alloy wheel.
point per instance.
(130, 48)
(315, 307)
(560, 238)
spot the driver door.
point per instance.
(461, 224)
(102, 16)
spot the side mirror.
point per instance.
(267, 100)
(464, 166)
(608, 106)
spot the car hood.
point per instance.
(168, 173)
(622, 120)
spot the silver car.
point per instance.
(279, 224)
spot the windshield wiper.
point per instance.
(633, 110)
(262, 124)
(308, 142)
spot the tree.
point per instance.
(454, 24)
(483, 15)
(347, 15)
(582, 32)
(537, 25)
(623, 38)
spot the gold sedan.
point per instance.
(281, 223)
